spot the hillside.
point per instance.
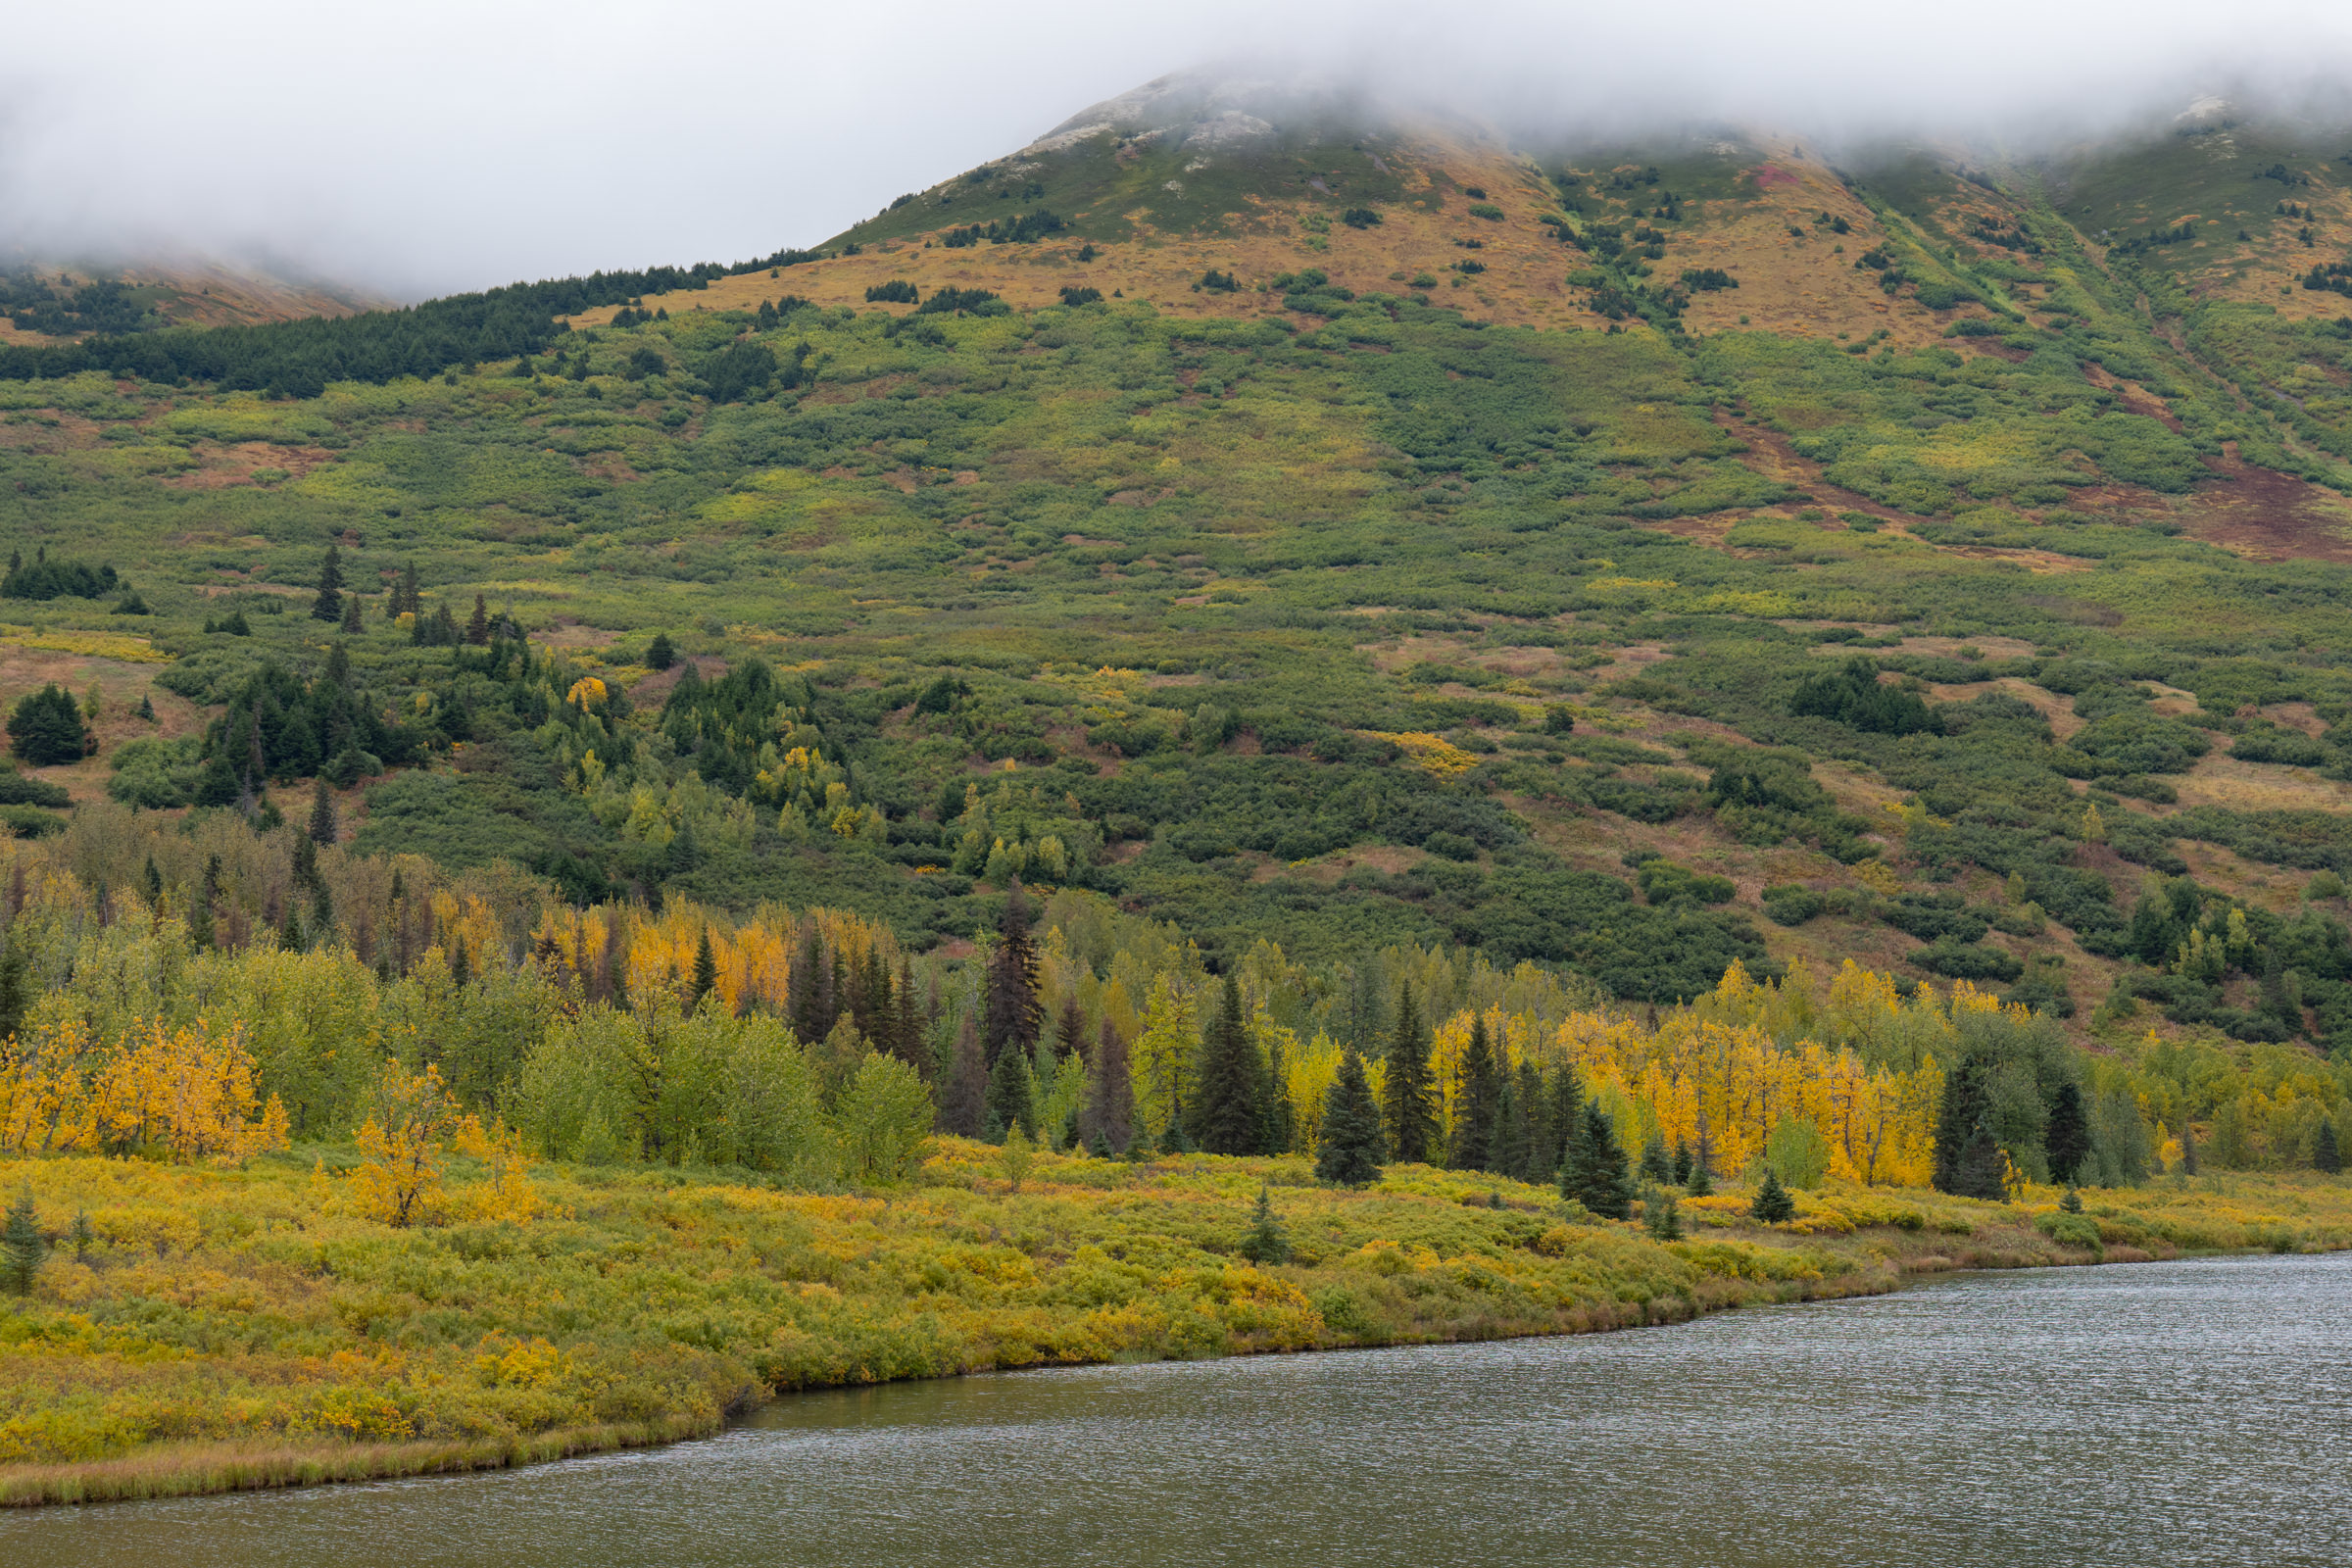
(44, 302)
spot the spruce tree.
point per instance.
(352, 626)
(47, 728)
(1107, 1112)
(2326, 1154)
(1412, 1115)
(328, 606)
(1265, 1242)
(1010, 1013)
(1662, 1214)
(660, 653)
(478, 625)
(2067, 1139)
(325, 828)
(1508, 1154)
(1700, 1184)
(1592, 1167)
(1657, 1163)
(2071, 1202)
(1225, 1110)
(1350, 1147)
(1684, 1164)
(22, 1246)
(1478, 1103)
(2188, 1149)
(963, 1107)
(706, 972)
(1012, 1094)
(1773, 1204)
(147, 707)
(1968, 1159)
(1563, 1119)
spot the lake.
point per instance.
(2178, 1414)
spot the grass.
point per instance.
(235, 1328)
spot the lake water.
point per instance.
(2175, 1413)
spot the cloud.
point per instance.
(431, 145)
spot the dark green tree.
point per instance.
(1106, 1114)
(2067, 1140)
(1409, 1109)
(477, 624)
(352, 626)
(660, 653)
(325, 828)
(1662, 1214)
(705, 971)
(1592, 1167)
(2188, 1149)
(2326, 1154)
(2071, 1202)
(1478, 1105)
(1657, 1163)
(964, 1106)
(22, 1246)
(147, 707)
(1351, 1145)
(1773, 1204)
(1968, 1159)
(1508, 1154)
(1012, 1094)
(1225, 1108)
(328, 606)
(1009, 1011)
(47, 728)
(15, 992)
(1684, 1164)
(1265, 1242)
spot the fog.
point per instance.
(431, 146)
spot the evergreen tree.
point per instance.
(22, 1246)
(660, 653)
(1277, 1130)
(1968, 1160)
(1684, 1164)
(1265, 1242)
(2326, 1154)
(154, 879)
(1012, 1094)
(1478, 1102)
(1562, 1123)
(1010, 1013)
(1700, 1184)
(1225, 1111)
(208, 893)
(15, 990)
(1773, 1204)
(328, 606)
(1592, 1166)
(407, 599)
(478, 625)
(2071, 1202)
(324, 829)
(47, 728)
(351, 616)
(1350, 1147)
(2188, 1149)
(706, 972)
(1070, 1030)
(1174, 1139)
(2067, 1139)
(147, 706)
(1657, 1163)
(1508, 1155)
(1662, 1214)
(964, 1106)
(1412, 1116)
(1107, 1112)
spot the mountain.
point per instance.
(1302, 519)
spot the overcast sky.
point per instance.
(433, 145)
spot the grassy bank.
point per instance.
(229, 1329)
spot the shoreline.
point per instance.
(219, 1469)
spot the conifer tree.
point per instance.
(1773, 1205)
(1225, 1111)
(1561, 1123)
(147, 706)
(1070, 1030)
(1699, 1183)
(1657, 1163)
(325, 828)
(2071, 1202)
(1968, 1160)
(964, 1106)
(1107, 1112)
(1478, 1103)
(1010, 1013)
(1413, 1119)
(1592, 1166)
(2067, 1139)
(22, 1246)
(1508, 1157)
(1684, 1164)
(706, 972)
(660, 653)
(2188, 1149)
(1350, 1147)
(478, 625)
(351, 616)
(2326, 1154)
(1265, 1242)
(1012, 1094)
(1662, 1214)
(328, 606)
